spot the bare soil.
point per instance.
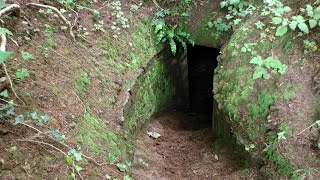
(183, 152)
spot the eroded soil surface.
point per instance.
(183, 152)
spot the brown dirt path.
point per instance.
(182, 153)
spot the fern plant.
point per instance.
(171, 34)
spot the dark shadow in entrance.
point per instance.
(201, 64)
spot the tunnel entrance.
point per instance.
(201, 64)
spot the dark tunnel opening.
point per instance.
(201, 64)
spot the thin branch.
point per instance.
(44, 143)
(8, 102)
(307, 128)
(74, 24)
(84, 106)
(155, 2)
(74, 165)
(15, 42)
(64, 145)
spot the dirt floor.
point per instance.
(183, 152)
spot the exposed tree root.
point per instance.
(61, 16)
(3, 48)
(10, 8)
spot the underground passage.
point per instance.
(183, 148)
(201, 64)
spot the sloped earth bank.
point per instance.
(184, 152)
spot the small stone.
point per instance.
(216, 157)
(1, 161)
(154, 135)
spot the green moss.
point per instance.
(155, 91)
(94, 134)
(260, 108)
(81, 83)
(205, 35)
(136, 46)
(282, 165)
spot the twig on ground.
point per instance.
(43, 143)
(74, 24)
(64, 145)
(8, 102)
(28, 21)
(74, 165)
(15, 42)
(84, 106)
(155, 2)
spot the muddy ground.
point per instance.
(184, 151)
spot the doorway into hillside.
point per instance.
(201, 64)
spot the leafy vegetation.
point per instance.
(172, 34)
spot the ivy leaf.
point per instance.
(313, 23)
(18, 120)
(303, 27)
(257, 60)
(287, 9)
(121, 167)
(281, 135)
(259, 72)
(309, 10)
(266, 76)
(2, 4)
(69, 160)
(77, 168)
(78, 156)
(4, 93)
(34, 115)
(4, 55)
(223, 4)
(281, 30)
(293, 25)
(276, 20)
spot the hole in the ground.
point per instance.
(201, 64)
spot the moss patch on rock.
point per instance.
(100, 140)
(257, 107)
(153, 94)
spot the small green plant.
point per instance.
(22, 74)
(123, 167)
(220, 25)
(14, 152)
(310, 46)
(74, 155)
(172, 34)
(4, 93)
(263, 64)
(120, 22)
(40, 119)
(26, 56)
